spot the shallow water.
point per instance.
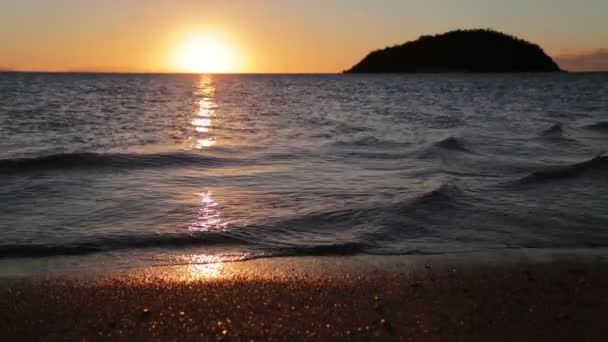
(233, 167)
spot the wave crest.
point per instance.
(553, 131)
(117, 243)
(87, 160)
(452, 144)
(599, 163)
(601, 126)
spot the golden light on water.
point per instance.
(202, 266)
(206, 53)
(209, 216)
(205, 115)
(200, 143)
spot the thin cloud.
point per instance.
(586, 61)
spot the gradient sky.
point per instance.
(279, 36)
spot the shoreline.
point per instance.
(112, 265)
(522, 295)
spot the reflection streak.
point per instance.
(209, 216)
(203, 123)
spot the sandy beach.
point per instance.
(509, 297)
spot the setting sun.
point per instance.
(206, 54)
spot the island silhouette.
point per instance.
(477, 50)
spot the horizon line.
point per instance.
(163, 72)
(235, 73)
(117, 72)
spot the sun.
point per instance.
(206, 53)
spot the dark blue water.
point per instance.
(250, 166)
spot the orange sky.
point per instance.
(272, 36)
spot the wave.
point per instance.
(88, 160)
(207, 239)
(553, 131)
(445, 193)
(444, 148)
(406, 218)
(599, 163)
(556, 134)
(323, 233)
(451, 144)
(370, 141)
(105, 244)
(601, 126)
(346, 248)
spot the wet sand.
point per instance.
(354, 298)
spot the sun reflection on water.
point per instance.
(211, 263)
(209, 216)
(201, 125)
(200, 143)
(203, 122)
(208, 219)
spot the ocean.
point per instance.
(174, 169)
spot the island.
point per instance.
(478, 50)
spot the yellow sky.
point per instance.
(267, 36)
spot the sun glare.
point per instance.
(206, 54)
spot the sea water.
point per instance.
(165, 169)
